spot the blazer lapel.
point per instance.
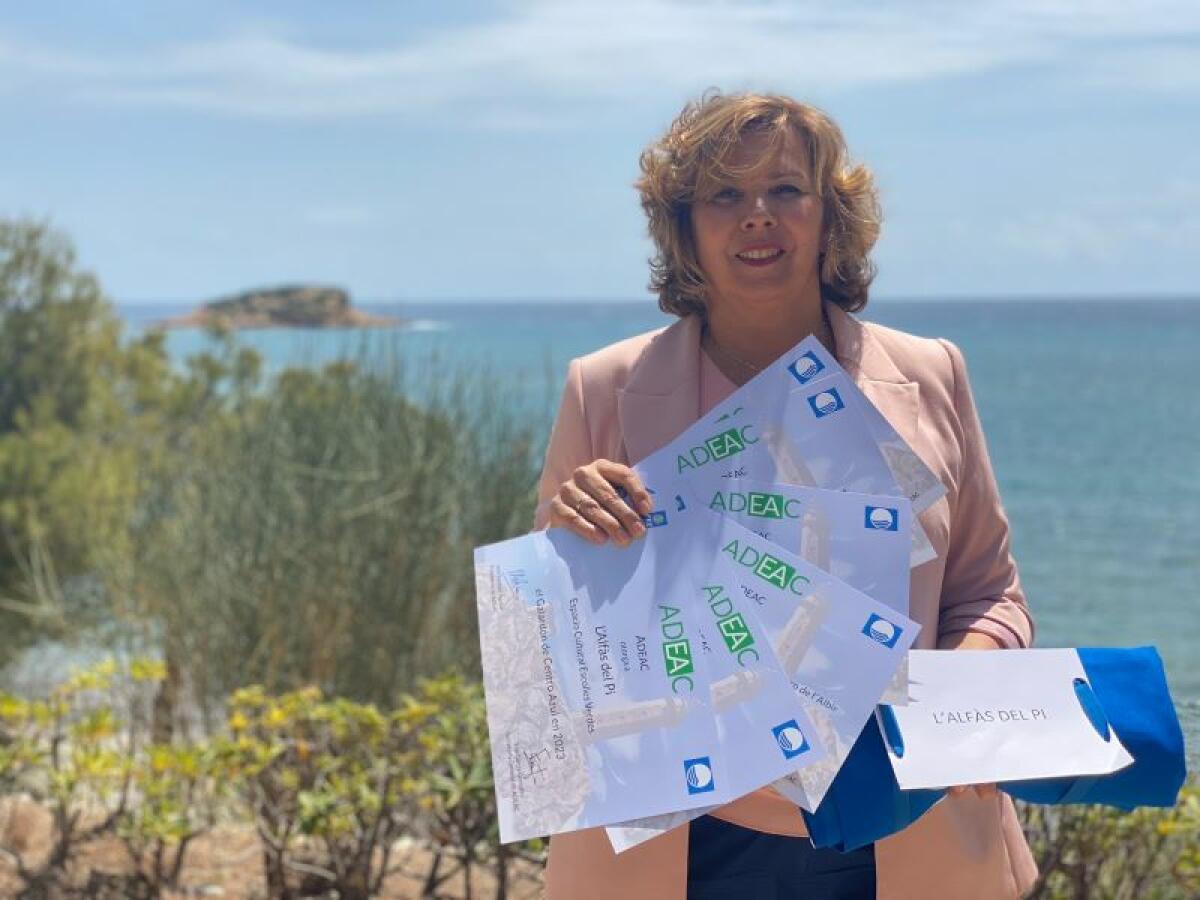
(662, 396)
(873, 370)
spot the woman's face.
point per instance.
(758, 238)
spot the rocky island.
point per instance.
(287, 306)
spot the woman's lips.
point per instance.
(760, 256)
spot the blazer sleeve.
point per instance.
(570, 444)
(981, 590)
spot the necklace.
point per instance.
(732, 357)
(826, 338)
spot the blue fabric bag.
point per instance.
(865, 803)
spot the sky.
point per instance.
(416, 150)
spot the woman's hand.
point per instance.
(589, 505)
(983, 791)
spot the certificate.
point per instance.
(809, 362)
(804, 366)
(626, 682)
(839, 647)
(863, 539)
(814, 435)
(764, 733)
(597, 703)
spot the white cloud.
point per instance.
(1164, 220)
(559, 51)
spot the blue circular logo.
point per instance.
(790, 739)
(881, 518)
(882, 631)
(825, 402)
(807, 367)
(699, 775)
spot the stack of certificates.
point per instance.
(744, 642)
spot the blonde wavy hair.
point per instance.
(688, 162)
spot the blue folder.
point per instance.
(1126, 690)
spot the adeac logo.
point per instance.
(806, 367)
(881, 518)
(790, 738)
(881, 631)
(767, 567)
(698, 774)
(759, 505)
(717, 447)
(732, 624)
(677, 649)
(826, 402)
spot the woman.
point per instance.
(762, 231)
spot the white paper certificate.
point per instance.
(863, 539)
(763, 731)
(988, 716)
(814, 435)
(839, 647)
(594, 706)
(616, 677)
(807, 363)
(803, 366)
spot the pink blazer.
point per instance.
(625, 401)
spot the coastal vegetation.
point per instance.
(276, 571)
(311, 528)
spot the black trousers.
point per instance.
(726, 862)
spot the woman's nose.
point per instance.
(758, 216)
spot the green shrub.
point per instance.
(349, 780)
(331, 784)
(83, 753)
(457, 794)
(339, 773)
(180, 790)
(75, 401)
(1099, 852)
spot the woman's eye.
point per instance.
(788, 190)
(727, 195)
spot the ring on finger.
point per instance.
(579, 504)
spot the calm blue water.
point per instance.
(1089, 406)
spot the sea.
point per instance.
(1090, 408)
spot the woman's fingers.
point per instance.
(610, 512)
(602, 500)
(591, 509)
(983, 791)
(624, 476)
(563, 516)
